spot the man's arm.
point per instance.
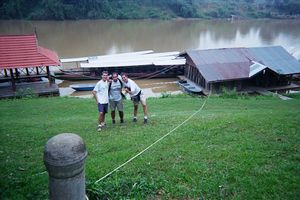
(95, 95)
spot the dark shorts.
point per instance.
(136, 98)
(103, 107)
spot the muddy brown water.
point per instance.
(99, 37)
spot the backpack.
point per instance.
(109, 86)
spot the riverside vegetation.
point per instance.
(146, 9)
(237, 147)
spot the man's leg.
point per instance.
(103, 118)
(99, 118)
(120, 107)
(145, 108)
(121, 114)
(113, 116)
(101, 121)
(112, 106)
(135, 110)
(105, 108)
(102, 115)
(102, 110)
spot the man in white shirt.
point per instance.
(115, 98)
(136, 95)
(100, 93)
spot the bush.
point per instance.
(165, 94)
(26, 93)
(227, 93)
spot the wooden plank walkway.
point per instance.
(266, 92)
(269, 90)
(39, 88)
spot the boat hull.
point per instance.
(189, 87)
(83, 87)
(147, 72)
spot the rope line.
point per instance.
(132, 158)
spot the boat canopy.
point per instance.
(139, 58)
(113, 56)
(141, 62)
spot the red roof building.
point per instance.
(21, 59)
(19, 51)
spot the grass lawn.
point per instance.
(235, 148)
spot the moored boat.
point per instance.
(143, 64)
(190, 87)
(83, 87)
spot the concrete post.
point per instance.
(64, 158)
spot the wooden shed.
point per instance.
(241, 68)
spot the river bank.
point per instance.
(151, 87)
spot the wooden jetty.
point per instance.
(40, 88)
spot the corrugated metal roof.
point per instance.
(18, 51)
(221, 64)
(276, 58)
(234, 63)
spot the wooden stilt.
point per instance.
(49, 75)
(13, 82)
(27, 71)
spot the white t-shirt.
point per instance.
(134, 88)
(102, 91)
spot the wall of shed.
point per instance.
(264, 79)
(268, 78)
(192, 73)
(217, 87)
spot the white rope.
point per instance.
(129, 160)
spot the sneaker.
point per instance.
(134, 120)
(145, 121)
(122, 121)
(113, 121)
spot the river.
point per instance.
(99, 37)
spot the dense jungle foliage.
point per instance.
(146, 9)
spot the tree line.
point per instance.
(145, 9)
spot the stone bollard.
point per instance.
(64, 158)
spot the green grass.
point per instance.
(235, 148)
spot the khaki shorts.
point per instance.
(116, 104)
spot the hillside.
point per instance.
(235, 148)
(146, 9)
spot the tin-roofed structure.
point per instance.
(21, 59)
(240, 68)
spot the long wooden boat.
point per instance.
(74, 77)
(142, 64)
(83, 87)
